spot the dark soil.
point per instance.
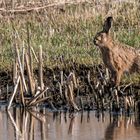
(93, 91)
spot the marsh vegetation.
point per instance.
(47, 55)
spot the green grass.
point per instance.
(68, 34)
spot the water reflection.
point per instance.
(18, 124)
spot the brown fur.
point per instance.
(117, 57)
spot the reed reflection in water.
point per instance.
(40, 124)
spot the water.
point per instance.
(18, 124)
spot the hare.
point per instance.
(117, 57)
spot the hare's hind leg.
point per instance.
(116, 76)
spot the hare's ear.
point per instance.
(107, 24)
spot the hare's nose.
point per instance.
(94, 41)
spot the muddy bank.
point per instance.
(77, 87)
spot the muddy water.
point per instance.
(18, 124)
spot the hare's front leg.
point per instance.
(116, 76)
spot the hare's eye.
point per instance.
(102, 35)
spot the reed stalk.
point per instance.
(31, 80)
(41, 84)
(21, 69)
(13, 95)
(29, 48)
(33, 100)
